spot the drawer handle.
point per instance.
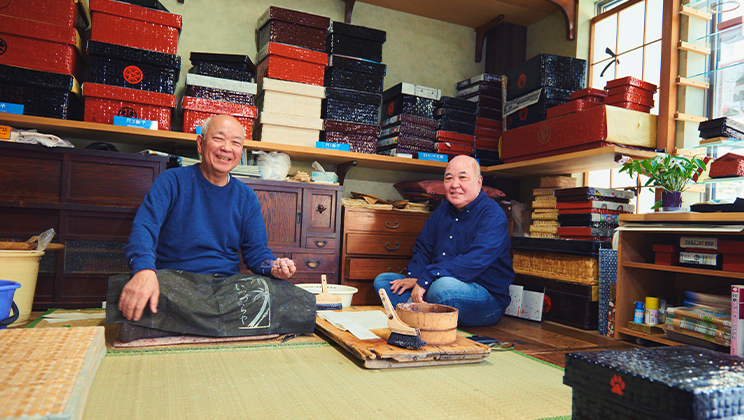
(321, 244)
(392, 249)
(312, 263)
(400, 270)
(321, 208)
(397, 224)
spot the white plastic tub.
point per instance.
(345, 292)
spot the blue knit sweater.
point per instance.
(187, 223)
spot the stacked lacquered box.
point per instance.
(409, 128)
(485, 91)
(354, 81)
(456, 126)
(134, 66)
(542, 82)
(219, 84)
(41, 57)
(291, 64)
(544, 213)
(590, 213)
(630, 93)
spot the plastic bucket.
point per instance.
(21, 267)
(7, 290)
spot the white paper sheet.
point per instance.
(358, 323)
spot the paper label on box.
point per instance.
(135, 122)
(432, 156)
(696, 242)
(698, 258)
(333, 146)
(523, 101)
(4, 132)
(427, 92)
(9, 108)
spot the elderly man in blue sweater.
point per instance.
(461, 258)
(198, 219)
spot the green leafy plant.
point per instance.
(670, 173)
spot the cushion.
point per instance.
(435, 187)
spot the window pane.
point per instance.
(605, 35)
(600, 82)
(631, 64)
(652, 70)
(630, 33)
(599, 179)
(655, 11)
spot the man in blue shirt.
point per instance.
(198, 219)
(461, 258)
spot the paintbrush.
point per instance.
(401, 335)
(325, 300)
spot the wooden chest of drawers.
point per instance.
(303, 223)
(374, 242)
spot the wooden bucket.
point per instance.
(436, 323)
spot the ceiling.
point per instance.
(473, 13)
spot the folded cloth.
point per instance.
(218, 306)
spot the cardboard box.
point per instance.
(599, 124)
(291, 98)
(134, 26)
(288, 129)
(103, 102)
(566, 303)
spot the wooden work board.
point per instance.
(378, 354)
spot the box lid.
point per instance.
(130, 95)
(295, 88)
(351, 128)
(410, 89)
(135, 12)
(193, 79)
(218, 107)
(290, 121)
(357, 31)
(40, 30)
(293, 16)
(631, 81)
(357, 64)
(352, 96)
(291, 51)
(243, 62)
(121, 52)
(560, 246)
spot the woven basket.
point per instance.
(570, 268)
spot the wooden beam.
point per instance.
(570, 10)
(666, 128)
(480, 35)
(348, 9)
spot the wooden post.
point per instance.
(665, 137)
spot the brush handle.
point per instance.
(395, 325)
(323, 284)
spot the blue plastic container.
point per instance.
(7, 290)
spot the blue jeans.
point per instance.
(476, 306)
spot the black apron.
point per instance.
(220, 306)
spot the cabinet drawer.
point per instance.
(369, 268)
(383, 221)
(382, 245)
(321, 243)
(315, 263)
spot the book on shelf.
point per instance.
(713, 338)
(719, 333)
(701, 324)
(737, 321)
(700, 314)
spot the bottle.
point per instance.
(638, 315)
(652, 310)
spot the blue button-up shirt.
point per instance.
(471, 245)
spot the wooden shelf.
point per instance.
(656, 338)
(683, 217)
(587, 160)
(685, 270)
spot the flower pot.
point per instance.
(671, 200)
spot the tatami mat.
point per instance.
(321, 382)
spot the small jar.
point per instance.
(652, 311)
(638, 314)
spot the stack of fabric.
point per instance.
(544, 213)
(291, 64)
(588, 212)
(219, 84)
(411, 108)
(630, 93)
(132, 77)
(354, 81)
(485, 91)
(457, 119)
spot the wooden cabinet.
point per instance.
(638, 276)
(303, 223)
(90, 198)
(374, 242)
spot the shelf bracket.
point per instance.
(570, 10)
(480, 35)
(348, 9)
(342, 169)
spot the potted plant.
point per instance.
(670, 173)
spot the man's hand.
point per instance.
(417, 294)
(401, 285)
(283, 268)
(143, 287)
